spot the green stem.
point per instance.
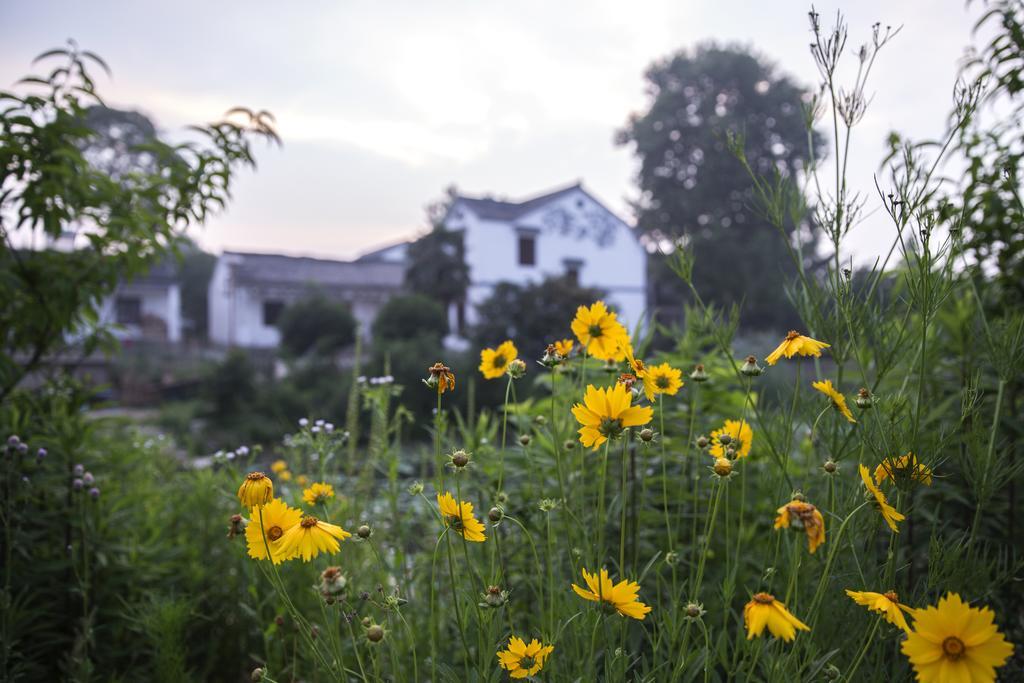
(864, 650)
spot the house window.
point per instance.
(128, 310)
(272, 310)
(527, 249)
(572, 270)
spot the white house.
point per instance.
(567, 232)
(147, 308)
(248, 292)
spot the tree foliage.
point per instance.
(692, 189)
(121, 223)
(532, 316)
(316, 325)
(409, 316)
(437, 265)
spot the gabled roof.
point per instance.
(279, 269)
(501, 210)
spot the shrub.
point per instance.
(410, 316)
(316, 325)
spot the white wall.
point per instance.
(160, 301)
(565, 230)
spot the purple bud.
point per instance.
(88, 479)
(79, 470)
(22, 448)
(77, 484)
(41, 453)
(94, 493)
(13, 441)
(24, 480)
(303, 422)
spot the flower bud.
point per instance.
(702, 442)
(459, 459)
(647, 435)
(279, 620)
(77, 484)
(364, 531)
(725, 439)
(495, 514)
(831, 673)
(41, 453)
(694, 610)
(88, 478)
(699, 374)
(22, 448)
(13, 441)
(236, 525)
(525, 439)
(79, 470)
(375, 633)
(257, 674)
(830, 467)
(723, 467)
(416, 488)
(494, 597)
(750, 368)
(516, 368)
(864, 399)
(366, 622)
(569, 444)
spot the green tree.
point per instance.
(122, 224)
(410, 316)
(316, 325)
(195, 270)
(692, 189)
(532, 316)
(436, 262)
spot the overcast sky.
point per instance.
(381, 105)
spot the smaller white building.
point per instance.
(566, 232)
(248, 292)
(147, 308)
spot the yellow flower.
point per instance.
(600, 333)
(285, 475)
(441, 378)
(622, 596)
(522, 660)
(796, 343)
(302, 480)
(309, 538)
(955, 642)
(256, 489)
(906, 468)
(493, 362)
(887, 603)
(459, 516)
(802, 515)
(278, 466)
(319, 492)
(889, 513)
(838, 400)
(764, 610)
(742, 438)
(278, 518)
(604, 413)
(564, 347)
(664, 379)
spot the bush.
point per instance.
(410, 316)
(316, 325)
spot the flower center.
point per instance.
(595, 330)
(527, 662)
(764, 598)
(308, 522)
(455, 522)
(274, 533)
(793, 334)
(255, 476)
(892, 596)
(499, 361)
(662, 382)
(953, 648)
(610, 427)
